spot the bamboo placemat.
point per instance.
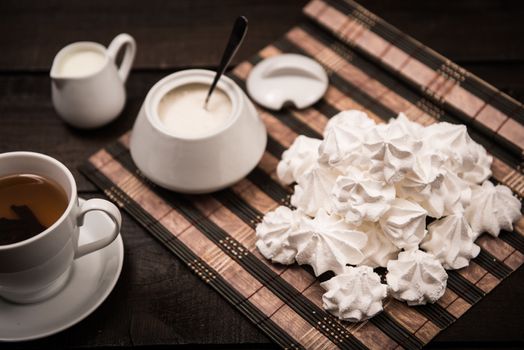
(372, 67)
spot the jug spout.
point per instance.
(53, 73)
(58, 82)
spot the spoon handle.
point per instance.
(235, 39)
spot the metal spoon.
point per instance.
(235, 39)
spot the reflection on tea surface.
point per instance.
(29, 204)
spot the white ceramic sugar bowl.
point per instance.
(204, 164)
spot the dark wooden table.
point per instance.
(157, 301)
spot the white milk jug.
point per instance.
(88, 89)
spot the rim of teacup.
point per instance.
(77, 46)
(186, 77)
(71, 199)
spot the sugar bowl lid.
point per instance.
(287, 79)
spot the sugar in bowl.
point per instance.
(183, 146)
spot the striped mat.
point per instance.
(372, 67)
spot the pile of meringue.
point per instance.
(363, 197)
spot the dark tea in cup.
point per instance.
(29, 204)
(41, 225)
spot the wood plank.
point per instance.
(167, 33)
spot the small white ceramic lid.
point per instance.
(287, 79)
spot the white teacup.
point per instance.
(87, 87)
(197, 164)
(36, 268)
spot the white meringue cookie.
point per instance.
(453, 142)
(350, 119)
(313, 192)
(273, 233)
(404, 223)
(492, 208)
(379, 249)
(481, 170)
(340, 146)
(453, 196)
(416, 277)
(393, 148)
(358, 196)
(413, 129)
(422, 181)
(451, 241)
(298, 159)
(343, 137)
(327, 243)
(354, 295)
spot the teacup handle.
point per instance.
(112, 211)
(116, 45)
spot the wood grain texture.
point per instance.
(158, 300)
(168, 33)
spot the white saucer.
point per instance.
(92, 279)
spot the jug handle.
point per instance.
(115, 46)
